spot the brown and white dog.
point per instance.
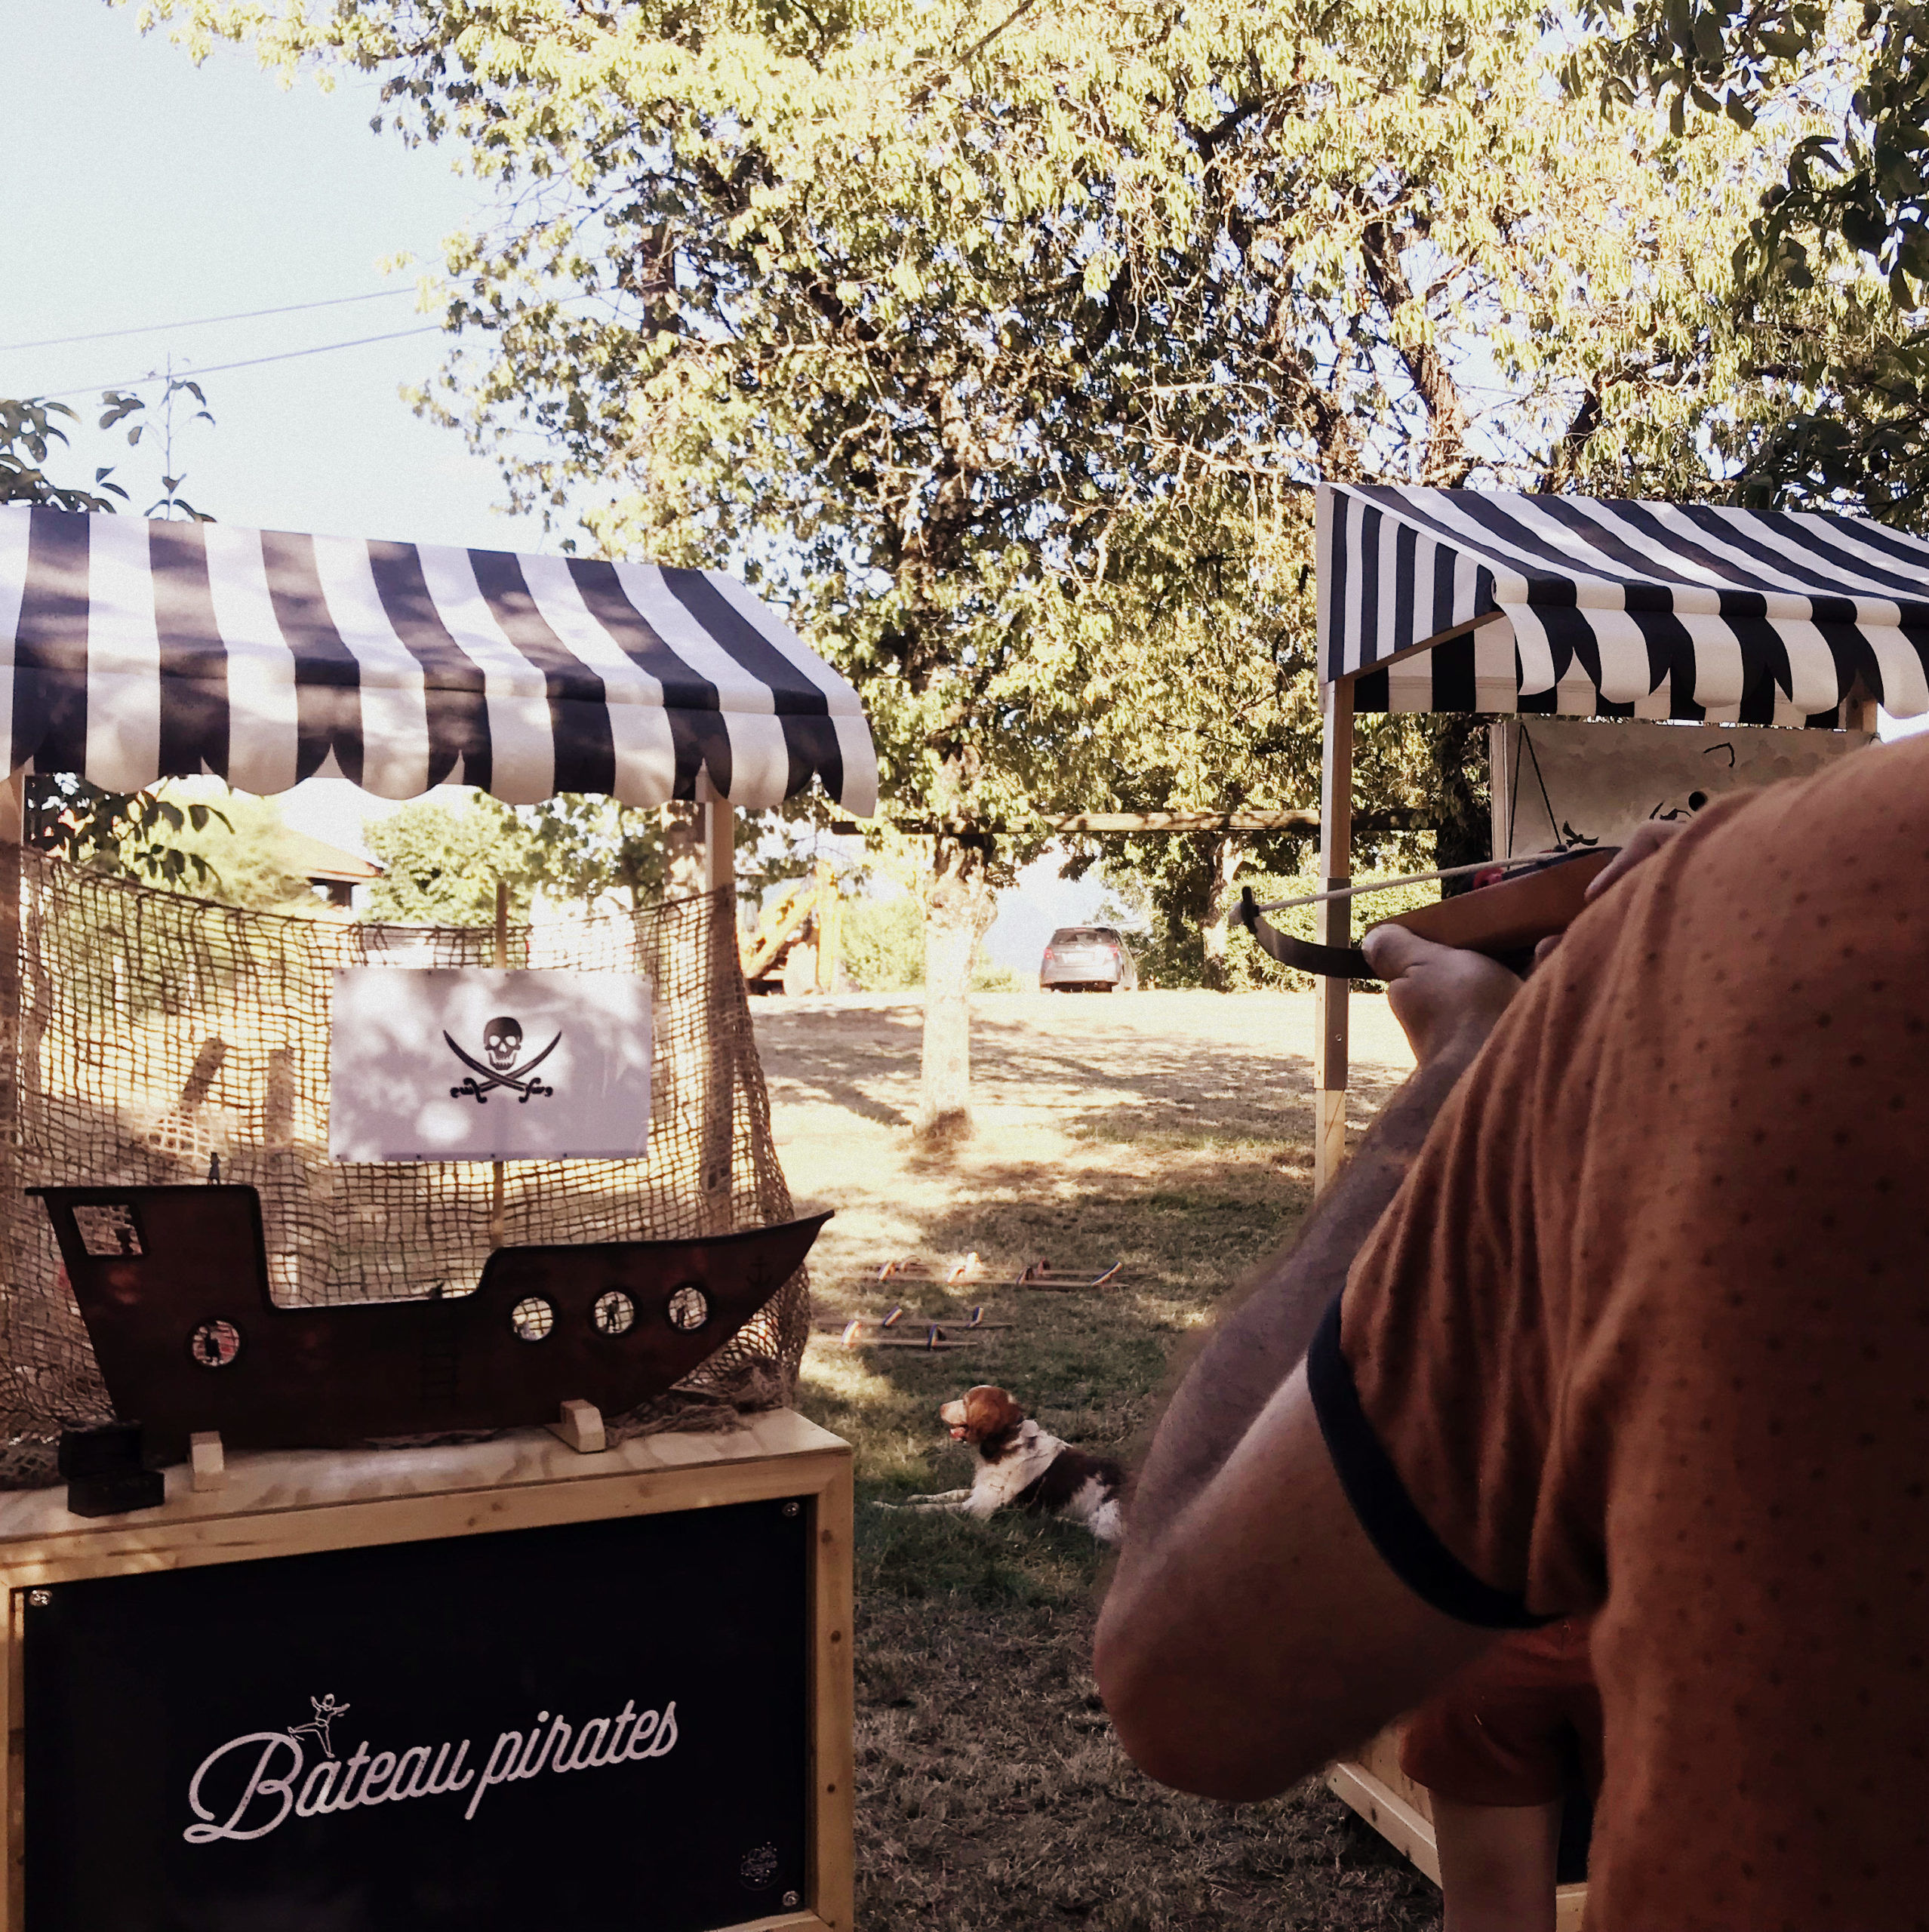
(1022, 1467)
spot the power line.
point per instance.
(202, 322)
(251, 362)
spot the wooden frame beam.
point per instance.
(1297, 818)
(1331, 996)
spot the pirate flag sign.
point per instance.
(472, 1065)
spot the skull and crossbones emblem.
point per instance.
(502, 1042)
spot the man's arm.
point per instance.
(1252, 1630)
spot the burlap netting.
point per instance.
(156, 1030)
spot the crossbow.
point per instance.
(1539, 896)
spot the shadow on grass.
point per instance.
(864, 1061)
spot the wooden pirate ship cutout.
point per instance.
(173, 1284)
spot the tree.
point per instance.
(442, 862)
(243, 843)
(1844, 219)
(1005, 346)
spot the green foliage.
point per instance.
(579, 847)
(882, 942)
(134, 834)
(443, 862)
(241, 844)
(28, 433)
(1831, 272)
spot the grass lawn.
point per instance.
(1170, 1132)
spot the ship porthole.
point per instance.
(688, 1308)
(215, 1344)
(613, 1313)
(532, 1319)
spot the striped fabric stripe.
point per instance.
(1457, 600)
(134, 650)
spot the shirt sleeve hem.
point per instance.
(1405, 1540)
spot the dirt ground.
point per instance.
(1167, 1132)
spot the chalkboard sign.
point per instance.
(596, 1725)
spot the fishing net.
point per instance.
(159, 1032)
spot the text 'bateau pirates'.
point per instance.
(268, 1768)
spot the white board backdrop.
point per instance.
(1591, 781)
(441, 1064)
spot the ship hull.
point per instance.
(173, 1285)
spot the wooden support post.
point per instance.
(1330, 996)
(719, 843)
(13, 831)
(719, 1086)
(496, 1214)
(1500, 788)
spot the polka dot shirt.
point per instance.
(1647, 1332)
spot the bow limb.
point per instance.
(1329, 962)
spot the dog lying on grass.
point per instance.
(1022, 1467)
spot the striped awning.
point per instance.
(1456, 600)
(135, 650)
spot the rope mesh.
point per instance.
(158, 1031)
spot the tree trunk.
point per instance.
(959, 903)
(1229, 854)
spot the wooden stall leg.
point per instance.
(1330, 996)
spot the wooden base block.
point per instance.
(208, 1460)
(582, 1428)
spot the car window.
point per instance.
(1075, 936)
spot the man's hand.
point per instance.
(1447, 998)
(1647, 840)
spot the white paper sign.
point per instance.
(472, 1065)
(1591, 781)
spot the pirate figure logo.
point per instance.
(502, 1041)
(326, 1711)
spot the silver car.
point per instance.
(1093, 959)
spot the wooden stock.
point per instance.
(1514, 915)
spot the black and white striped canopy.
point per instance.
(136, 650)
(1503, 603)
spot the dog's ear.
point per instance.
(988, 1409)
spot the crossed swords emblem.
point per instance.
(520, 1080)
